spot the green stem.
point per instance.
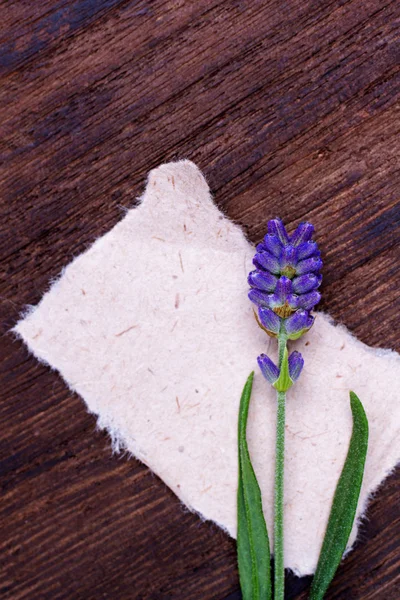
(279, 571)
(282, 339)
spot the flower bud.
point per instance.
(268, 368)
(298, 324)
(296, 363)
(269, 321)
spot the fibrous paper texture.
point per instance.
(153, 328)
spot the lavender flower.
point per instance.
(296, 363)
(286, 279)
(300, 322)
(268, 368)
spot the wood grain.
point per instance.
(289, 108)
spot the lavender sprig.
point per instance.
(284, 288)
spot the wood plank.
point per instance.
(289, 109)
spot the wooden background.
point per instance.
(290, 108)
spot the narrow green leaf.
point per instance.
(252, 537)
(344, 503)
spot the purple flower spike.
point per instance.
(302, 234)
(273, 245)
(300, 322)
(269, 320)
(267, 262)
(296, 363)
(268, 368)
(285, 279)
(277, 228)
(262, 280)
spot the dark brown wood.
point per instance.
(289, 108)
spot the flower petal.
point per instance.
(307, 249)
(258, 297)
(264, 260)
(262, 280)
(277, 228)
(268, 368)
(284, 289)
(308, 301)
(298, 323)
(273, 245)
(302, 234)
(269, 319)
(308, 266)
(296, 363)
(306, 283)
(288, 261)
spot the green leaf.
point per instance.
(344, 503)
(283, 383)
(252, 537)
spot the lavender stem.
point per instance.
(279, 570)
